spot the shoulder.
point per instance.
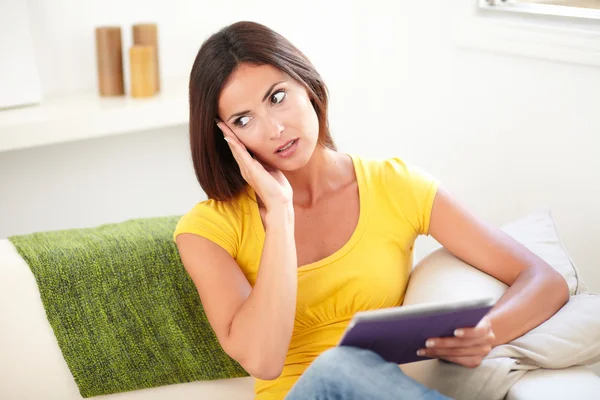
(394, 171)
(401, 189)
(218, 221)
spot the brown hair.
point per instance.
(242, 42)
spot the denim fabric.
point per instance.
(350, 373)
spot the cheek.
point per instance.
(253, 145)
(306, 116)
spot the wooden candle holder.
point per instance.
(109, 59)
(143, 71)
(147, 35)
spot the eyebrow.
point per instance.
(263, 99)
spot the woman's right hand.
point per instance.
(270, 184)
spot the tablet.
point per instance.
(397, 333)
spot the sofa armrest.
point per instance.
(29, 349)
(441, 277)
(570, 383)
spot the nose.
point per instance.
(274, 128)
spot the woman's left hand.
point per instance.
(468, 347)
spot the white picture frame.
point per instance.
(19, 78)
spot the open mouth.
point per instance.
(286, 146)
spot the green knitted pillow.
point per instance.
(125, 313)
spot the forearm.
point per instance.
(537, 294)
(263, 326)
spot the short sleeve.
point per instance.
(215, 221)
(411, 191)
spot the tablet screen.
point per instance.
(397, 333)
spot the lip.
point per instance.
(285, 144)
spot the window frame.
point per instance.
(563, 38)
(540, 9)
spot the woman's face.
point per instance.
(268, 110)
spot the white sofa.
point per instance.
(32, 366)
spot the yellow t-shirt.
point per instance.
(369, 272)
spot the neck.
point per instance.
(323, 173)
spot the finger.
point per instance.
(238, 160)
(482, 329)
(234, 150)
(453, 342)
(469, 362)
(235, 144)
(241, 150)
(227, 132)
(480, 350)
(484, 322)
(243, 167)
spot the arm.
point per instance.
(253, 325)
(536, 291)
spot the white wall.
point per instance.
(509, 135)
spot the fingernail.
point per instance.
(420, 352)
(226, 139)
(430, 343)
(219, 127)
(459, 332)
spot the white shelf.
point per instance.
(88, 116)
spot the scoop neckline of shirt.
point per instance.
(354, 238)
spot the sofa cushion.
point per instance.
(578, 383)
(570, 337)
(539, 234)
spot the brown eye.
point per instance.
(278, 96)
(238, 122)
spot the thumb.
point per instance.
(484, 323)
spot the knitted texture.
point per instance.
(124, 311)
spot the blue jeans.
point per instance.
(350, 373)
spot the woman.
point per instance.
(296, 237)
